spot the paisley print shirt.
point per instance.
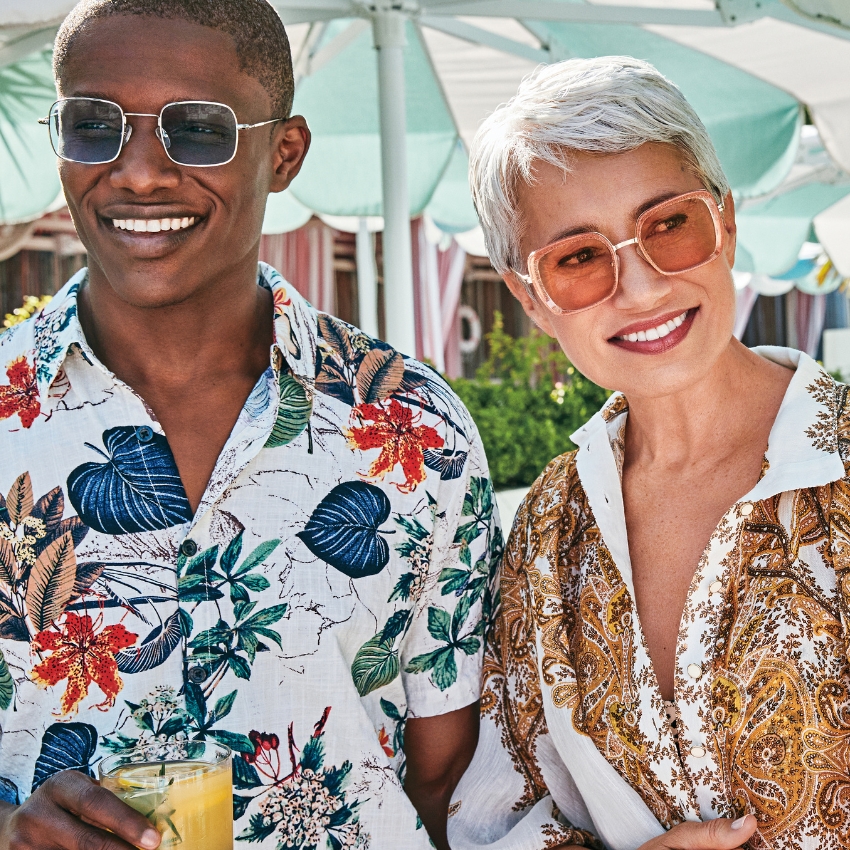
(334, 581)
(573, 722)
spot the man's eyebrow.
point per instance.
(636, 213)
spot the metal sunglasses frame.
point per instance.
(161, 134)
(534, 284)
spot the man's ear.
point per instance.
(292, 141)
(731, 238)
(533, 309)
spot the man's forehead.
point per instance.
(158, 60)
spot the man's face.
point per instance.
(142, 63)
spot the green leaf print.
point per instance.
(293, 412)
(375, 665)
(7, 685)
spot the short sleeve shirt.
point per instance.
(573, 721)
(334, 581)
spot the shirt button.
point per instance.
(198, 675)
(697, 752)
(694, 671)
(746, 509)
(715, 587)
(144, 434)
(188, 547)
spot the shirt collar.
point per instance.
(803, 444)
(58, 327)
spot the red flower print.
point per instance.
(81, 657)
(265, 756)
(399, 438)
(384, 741)
(21, 395)
(281, 299)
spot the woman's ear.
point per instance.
(533, 309)
(730, 240)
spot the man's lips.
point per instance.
(149, 225)
(655, 336)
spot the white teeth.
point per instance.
(153, 225)
(658, 332)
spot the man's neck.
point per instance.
(224, 328)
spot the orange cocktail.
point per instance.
(190, 800)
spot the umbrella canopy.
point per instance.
(386, 122)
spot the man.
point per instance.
(226, 516)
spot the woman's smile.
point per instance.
(655, 336)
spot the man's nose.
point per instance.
(143, 166)
(640, 286)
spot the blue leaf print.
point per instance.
(155, 649)
(9, 791)
(343, 530)
(137, 488)
(448, 463)
(65, 746)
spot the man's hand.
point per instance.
(72, 812)
(438, 751)
(719, 834)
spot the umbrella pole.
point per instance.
(388, 28)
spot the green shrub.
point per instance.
(526, 401)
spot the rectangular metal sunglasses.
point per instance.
(93, 131)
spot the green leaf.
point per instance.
(247, 641)
(453, 580)
(469, 645)
(242, 609)
(256, 582)
(413, 527)
(396, 625)
(196, 704)
(375, 665)
(7, 685)
(223, 706)
(257, 557)
(313, 754)
(438, 624)
(293, 412)
(237, 742)
(240, 667)
(460, 615)
(441, 663)
(240, 803)
(270, 634)
(231, 554)
(402, 587)
(245, 775)
(391, 710)
(202, 563)
(268, 616)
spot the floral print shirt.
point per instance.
(335, 580)
(573, 722)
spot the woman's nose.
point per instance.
(640, 285)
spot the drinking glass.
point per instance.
(189, 799)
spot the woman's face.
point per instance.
(606, 193)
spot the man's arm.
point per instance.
(438, 751)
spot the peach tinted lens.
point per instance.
(679, 234)
(577, 272)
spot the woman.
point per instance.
(672, 642)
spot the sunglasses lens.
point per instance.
(84, 130)
(576, 272)
(197, 133)
(680, 234)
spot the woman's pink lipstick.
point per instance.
(655, 346)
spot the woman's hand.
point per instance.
(72, 812)
(719, 834)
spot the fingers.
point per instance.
(61, 831)
(75, 793)
(719, 834)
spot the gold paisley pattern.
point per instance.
(765, 726)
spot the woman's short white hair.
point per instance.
(611, 104)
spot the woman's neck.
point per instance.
(710, 417)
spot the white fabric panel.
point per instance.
(832, 227)
(812, 66)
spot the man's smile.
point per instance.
(154, 225)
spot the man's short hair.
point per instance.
(606, 105)
(255, 27)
